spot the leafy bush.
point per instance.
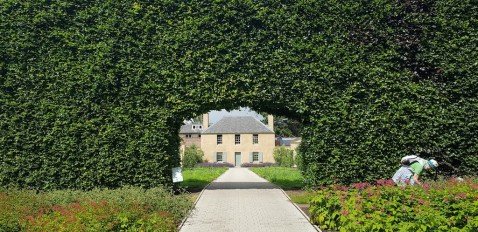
(192, 156)
(298, 160)
(442, 206)
(283, 156)
(249, 165)
(215, 164)
(87, 215)
(128, 208)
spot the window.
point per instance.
(255, 156)
(218, 156)
(237, 139)
(219, 139)
(255, 139)
(188, 136)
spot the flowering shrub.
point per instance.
(249, 165)
(87, 215)
(213, 165)
(439, 206)
(124, 209)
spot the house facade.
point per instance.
(238, 140)
(190, 134)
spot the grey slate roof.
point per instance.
(238, 125)
(188, 129)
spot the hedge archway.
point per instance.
(92, 94)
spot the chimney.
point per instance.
(270, 121)
(205, 121)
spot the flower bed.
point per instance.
(439, 206)
(249, 165)
(125, 209)
(215, 165)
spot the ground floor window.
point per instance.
(255, 156)
(219, 156)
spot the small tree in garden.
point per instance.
(283, 157)
(298, 161)
(192, 156)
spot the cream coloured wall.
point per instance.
(265, 146)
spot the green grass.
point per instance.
(286, 178)
(198, 178)
(301, 197)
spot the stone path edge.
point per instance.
(194, 205)
(300, 210)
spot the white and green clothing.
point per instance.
(404, 175)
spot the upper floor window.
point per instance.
(255, 138)
(237, 139)
(219, 139)
(188, 135)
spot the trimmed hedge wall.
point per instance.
(92, 94)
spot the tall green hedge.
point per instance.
(92, 93)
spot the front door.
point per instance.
(238, 159)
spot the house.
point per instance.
(238, 140)
(190, 133)
(289, 142)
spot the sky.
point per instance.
(215, 115)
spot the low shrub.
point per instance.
(215, 164)
(250, 165)
(439, 206)
(128, 208)
(87, 215)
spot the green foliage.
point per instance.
(128, 208)
(298, 160)
(284, 127)
(99, 216)
(441, 206)
(286, 178)
(93, 93)
(283, 156)
(192, 156)
(201, 177)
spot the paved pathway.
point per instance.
(239, 200)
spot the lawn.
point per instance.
(286, 178)
(196, 179)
